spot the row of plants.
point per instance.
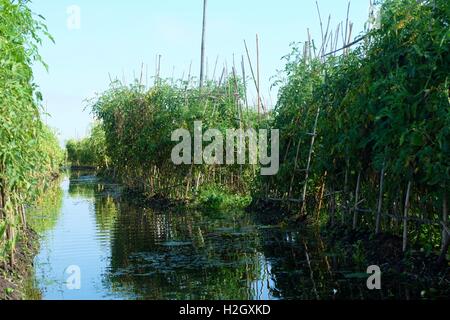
(138, 124)
(30, 155)
(367, 132)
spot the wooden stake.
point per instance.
(405, 217)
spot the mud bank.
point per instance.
(16, 281)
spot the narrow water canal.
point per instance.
(125, 251)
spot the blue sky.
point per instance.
(117, 37)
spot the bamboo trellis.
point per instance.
(327, 38)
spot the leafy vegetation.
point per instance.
(138, 125)
(90, 151)
(29, 151)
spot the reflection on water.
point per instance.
(126, 251)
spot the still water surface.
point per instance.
(126, 251)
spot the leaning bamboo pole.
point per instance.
(355, 207)
(258, 92)
(308, 166)
(321, 194)
(380, 202)
(405, 217)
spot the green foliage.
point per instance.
(89, 152)
(215, 197)
(384, 104)
(29, 151)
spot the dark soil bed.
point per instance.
(385, 251)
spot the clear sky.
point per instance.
(117, 37)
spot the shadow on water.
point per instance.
(128, 251)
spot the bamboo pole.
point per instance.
(2, 203)
(355, 208)
(258, 74)
(445, 235)
(405, 217)
(252, 71)
(321, 24)
(380, 202)
(346, 197)
(322, 192)
(333, 207)
(308, 167)
(311, 272)
(295, 168)
(244, 79)
(215, 68)
(202, 61)
(347, 25)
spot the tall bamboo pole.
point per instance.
(258, 74)
(202, 62)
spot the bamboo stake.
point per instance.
(405, 217)
(258, 73)
(346, 197)
(142, 74)
(325, 38)
(333, 207)
(244, 79)
(349, 35)
(355, 208)
(308, 167)
(346, 25)
(202, 62)
(321, 23)
(311, 273)
(322, 192)
(309, 43)
(158, 70)
(1, 202)
(215, 68)
(252, 71)
(380, 202)
(295, 167)
(445, 235)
